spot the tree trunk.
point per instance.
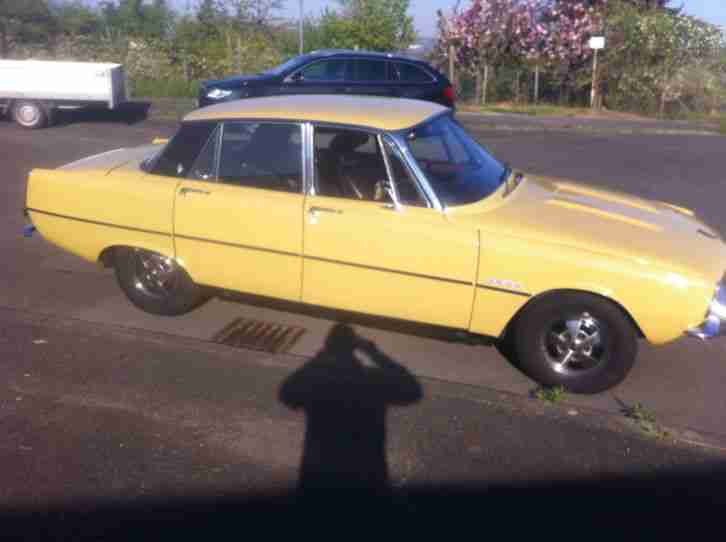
(536, 84)
(478, 87)
(239, 53)
(485, 85)
(661, 112)
(517, 93)
(452, 71)
(230, 51)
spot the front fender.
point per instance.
(514, 272)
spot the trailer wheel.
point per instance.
(30, 115)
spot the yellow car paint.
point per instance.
(472, 267)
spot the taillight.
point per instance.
(450, 94)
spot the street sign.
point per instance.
(597, 42)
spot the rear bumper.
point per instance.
(715, 323)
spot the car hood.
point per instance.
(563, 212)
(236, 82)
(106, 162)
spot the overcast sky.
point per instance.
(424, 11)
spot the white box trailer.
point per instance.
(32, 90)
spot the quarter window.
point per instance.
(205, 166)
(181, 152)
(262, 155)
(408, 190)
(408, 73)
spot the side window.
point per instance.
(408, 189)
(409, 73)
(326, 70)
(177, 158)
(369, 70)
(262, 155)
(349, 164)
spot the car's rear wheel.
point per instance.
(156, 283)
(578, 341)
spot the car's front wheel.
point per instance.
(578, 341)
(155, 283)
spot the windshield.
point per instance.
(459, 169)
(285, 66)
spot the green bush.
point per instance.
(722, 125)
(164, 88)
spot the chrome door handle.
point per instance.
(314, 210)
(184, 191)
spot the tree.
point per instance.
(649, 52)
(24, 21)
(377, 25)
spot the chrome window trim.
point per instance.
(418, 173)
(308, 159)
(387, 139)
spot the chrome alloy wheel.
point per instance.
(576, 344)
(28, 114)
(154, 274)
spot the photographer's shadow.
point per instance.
(345, 391)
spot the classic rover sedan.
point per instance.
(389, 207)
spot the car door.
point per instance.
(369, 77)
(330, 76)
(238, 214)
(363, 252)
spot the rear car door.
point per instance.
(238, 212)
(370, 77)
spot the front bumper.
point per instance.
(715, 323)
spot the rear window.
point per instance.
(409, 73)
(183, 149)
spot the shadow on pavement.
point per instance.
(128, 113)
(345, 391)
(378, 322)
(633, 505)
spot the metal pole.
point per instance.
(300, 27)
(593, 93)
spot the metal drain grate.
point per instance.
(258, 335)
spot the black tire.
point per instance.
(164, 288)
(29, 114)
(581, 342)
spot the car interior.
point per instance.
(349, 164)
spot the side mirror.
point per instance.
(295, 78)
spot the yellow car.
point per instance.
(389, 207)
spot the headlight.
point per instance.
(218, 94)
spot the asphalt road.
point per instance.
(67, 382)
